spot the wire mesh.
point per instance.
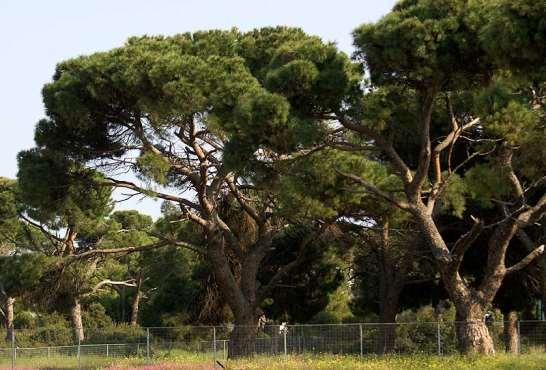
(44, 347)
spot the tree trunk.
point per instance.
(387, 331)
(242, 341)
(472, 333)
(511, 334)
(470, 304)
(542, 266)
(10, 303)
(76, 313)
(240, 293)
(136, 302)
(390, 286)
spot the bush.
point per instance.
(25, 320)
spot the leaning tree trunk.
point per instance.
(136, 302)
(10, 303)
(76, 314)
(511, 334)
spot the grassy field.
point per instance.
(198, 362)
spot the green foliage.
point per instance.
(453, 198)
(514, 32)
(250, 88)
(95, 317)
(154, 167)
(59, 191)
(315, 189)
(309, 289)
(486, 182)
(20, 273)
(424, 43)
(25, 320)
(10, 227)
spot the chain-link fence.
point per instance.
(49, 347)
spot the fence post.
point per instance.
(439, 338)
(214, 346)
(107, 350)
(148, 344)
(361, 341)
(79, 354)
(13, 350)
(225, 354)
(284, 338)
(519, 337)
(48, 352)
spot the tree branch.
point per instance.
(397, 161)
(378, 192)
(464, 242)
(97, 287)
(527, 260)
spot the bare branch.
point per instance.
(127, 250)
(465, 241)
(378, 192)
(97, 287)
(414, 188)
(248, 209)
(527, 260)
(397, 161)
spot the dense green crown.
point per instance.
(265, 87)
(422, 43)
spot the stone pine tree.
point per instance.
(58, 200)
(130, 228)
(20, 269)
(426, 57)
(10, 228)
(196, 117)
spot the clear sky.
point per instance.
(37, 34)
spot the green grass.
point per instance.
(199, 361)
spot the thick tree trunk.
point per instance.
(240, 293)
(10, 314)
(76, 314)
(136, 302)
(242, 341)
(393, 274)
(471, 330)
(387, 331)
(511, 334)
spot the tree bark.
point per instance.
(136, 302)
(239, 292)
(472, 333)
(10, 314)
(387, 332)
(542, 266)
(470, 304)
(76, 314)
(242, 341)
(511, 334)
(390, 287)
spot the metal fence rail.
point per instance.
(39, 348)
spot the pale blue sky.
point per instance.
(35, 35)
